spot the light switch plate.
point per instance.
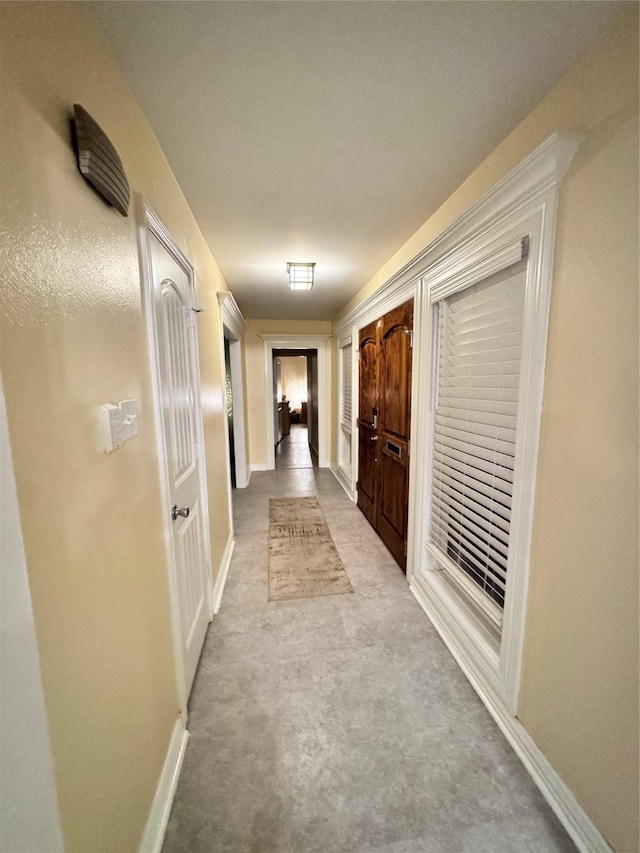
(111, 427)
(129, 417)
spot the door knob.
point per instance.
(183, 512)
(374, 438)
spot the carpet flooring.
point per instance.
(303, 561)
(341, 724)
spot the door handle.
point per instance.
(374, 438)
(183, 512)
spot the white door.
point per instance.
(179, 397)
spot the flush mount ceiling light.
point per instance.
(300, 276)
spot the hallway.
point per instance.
(293, 451)
(341, 724)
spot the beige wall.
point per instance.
(73, 337)
(579, 697)
(293, 379)
(255, 366)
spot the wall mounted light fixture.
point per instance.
(98, 160)
(300, 276)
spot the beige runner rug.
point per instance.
(303, 561)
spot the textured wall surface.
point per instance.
(73, 337)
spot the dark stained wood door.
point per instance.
(385, 426)
(368, 421)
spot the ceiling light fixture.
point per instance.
(300, 276)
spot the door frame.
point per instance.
(232, 326)
(401, 288)
(150, 223)
(317, 342)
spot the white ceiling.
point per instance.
(330, 131)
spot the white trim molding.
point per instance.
(231, 314)
(233, 326)
(165, 791)
(317, 342)
(223, 571)
(517, 217)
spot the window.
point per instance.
(477, 374)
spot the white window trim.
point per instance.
(522, 206)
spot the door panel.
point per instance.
(385, 389)
(179, 395)
(368, 422)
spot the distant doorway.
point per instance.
(295, 408)
(313, 346)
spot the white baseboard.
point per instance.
(165, 792)
(336, 473)
(262, 466)
(570, 813)
(223, 571)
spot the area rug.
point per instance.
(303, 561)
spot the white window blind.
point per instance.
(479, 346)
(347, 408)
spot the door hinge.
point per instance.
(410, 333)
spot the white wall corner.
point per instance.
(223, 572)
(168, 782)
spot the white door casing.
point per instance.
(318, 342)
(172, 331)
(232, 328)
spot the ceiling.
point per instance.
(330, 131)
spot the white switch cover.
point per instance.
(119, 423)
(111, 427)
(129, 417)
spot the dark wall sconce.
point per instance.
(98, 160)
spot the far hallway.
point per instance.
(341, 724)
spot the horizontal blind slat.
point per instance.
(485, 499)
(480, 525)
(462, 465)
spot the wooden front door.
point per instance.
(384, 426)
